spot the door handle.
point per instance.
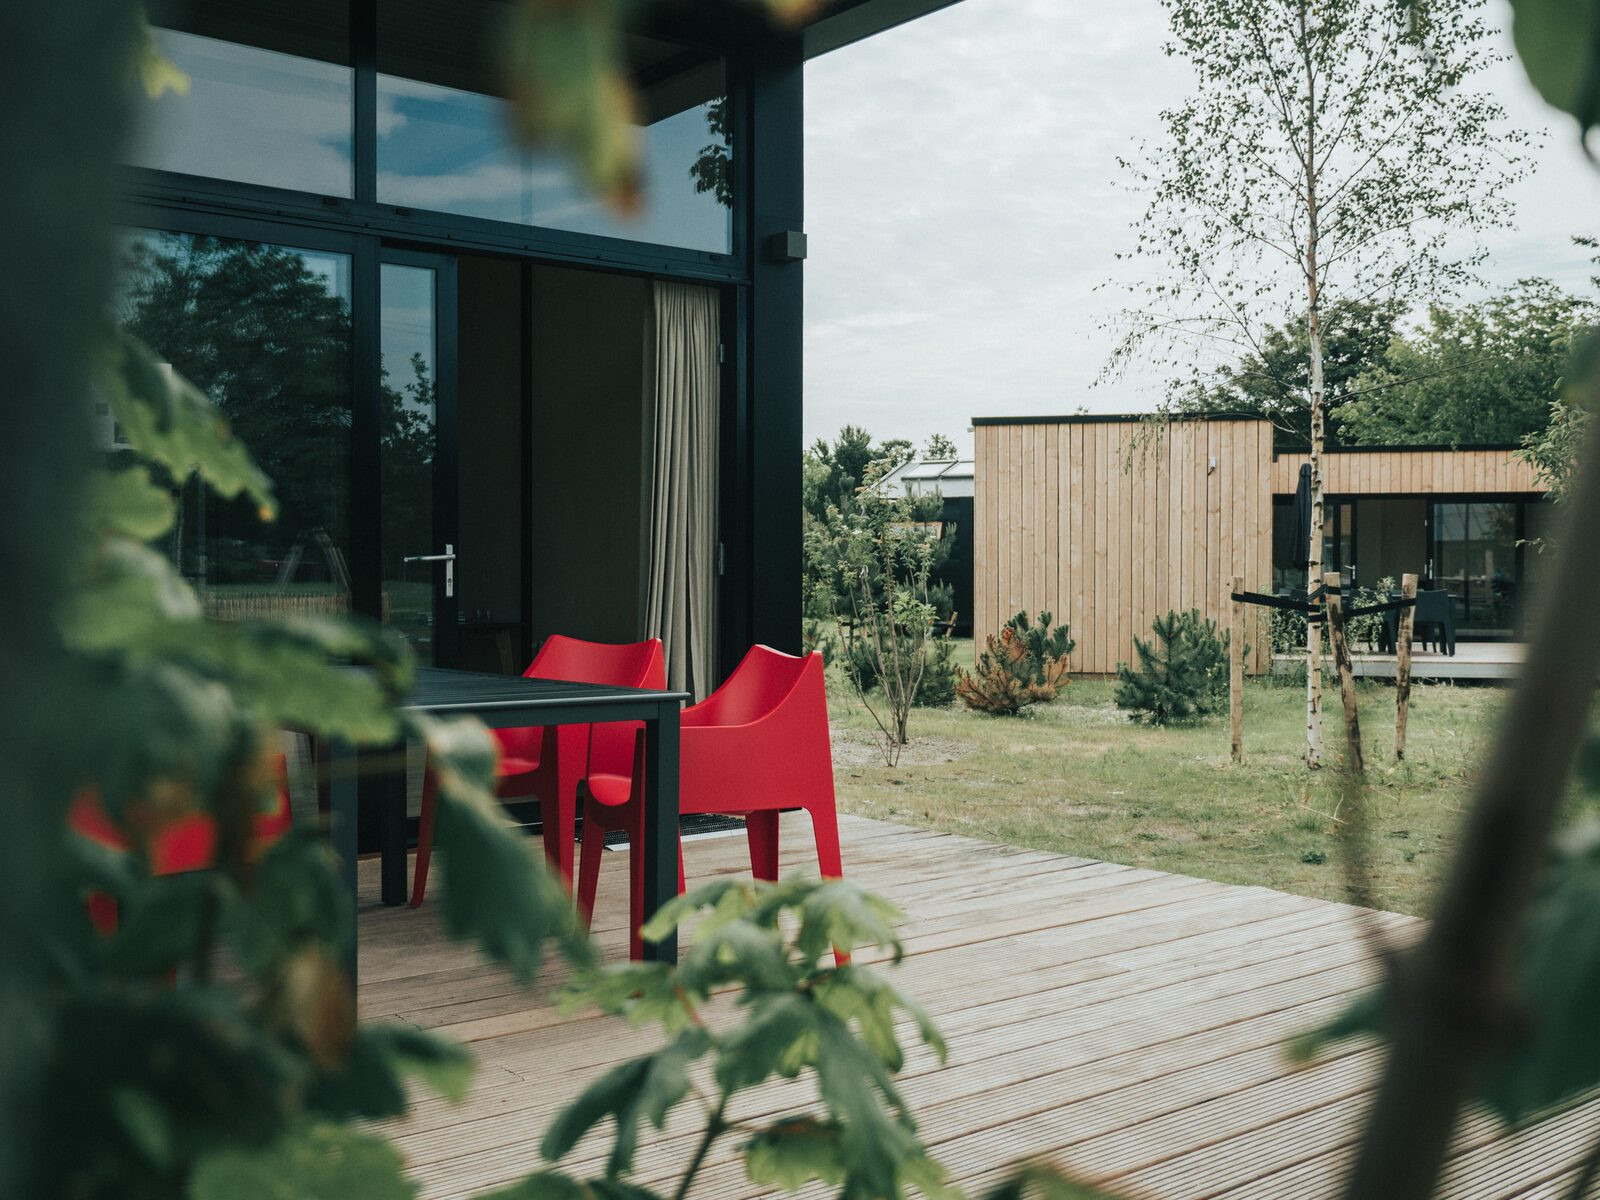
(448, 558)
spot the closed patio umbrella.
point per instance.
(1301, 521)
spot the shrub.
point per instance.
(1288, 631)
(1026, 663)
(1182, 674)
(870, 565)
(1365, 630)
(936, 686)
(820, 635)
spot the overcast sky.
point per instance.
(961, 207)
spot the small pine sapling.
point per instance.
(1182, 674)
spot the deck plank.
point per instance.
(1124, 1022)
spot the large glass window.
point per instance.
(444, 138)
(269, 100)
(1476, 560)
(263, 330)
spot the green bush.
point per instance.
(1364, 631)
(1288, 631)
(1182, 674)
(936, 686)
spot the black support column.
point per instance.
(776, 181)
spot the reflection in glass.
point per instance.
(1338, 530)
(252, 114)
(409, 424)
(264, 331)
(444, 143)
(1475, 561)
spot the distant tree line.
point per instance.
(1485, 372)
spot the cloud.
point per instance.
(964, 204)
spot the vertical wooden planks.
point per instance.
(1063, 520)
(1127, 548)
(1080, 542)
(1161, 465)
(1198, 557)
(1098, 605)
(1215, 574)
(980, 540)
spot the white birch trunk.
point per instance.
(1314, 554)
(1314, 338)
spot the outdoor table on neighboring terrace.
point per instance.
(511, 701)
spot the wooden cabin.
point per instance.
(1107, 522)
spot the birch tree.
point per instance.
(1330, 151)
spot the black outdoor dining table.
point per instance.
(511, 701)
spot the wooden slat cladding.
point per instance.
(1108, 524)
(1468, 471)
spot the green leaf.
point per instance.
(311, 1162)
(157, 73)
(161, 924)
(642, 1089)
(130, 593)
(861, 995)
(569, 89)
(128, 502)
(793, 1152)
(1363, 1016)
(441, 1064)
(736, 952)
(179, 1071)
(728, 899)
(778, 1037)
(370, 1083)
(842, 914)
(1558, 42)
(1557, 1054)
(288, 673)
(298, 898)
(169, 421)
(157, 725)
(552, 1185)
(145, 1123)
(498, 890)
(1041, 1182)
(643, 992)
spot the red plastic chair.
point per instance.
(546, 762)
(187, 844)
(756, 745)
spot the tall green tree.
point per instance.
(1331, 150)
(1273, 380)
(1481, 373)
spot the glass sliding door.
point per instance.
(416, 459)
(1476, 559)
(265, 331)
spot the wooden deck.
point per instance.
(1471, 661)
(1124, 1022)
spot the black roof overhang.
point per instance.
(728, 23)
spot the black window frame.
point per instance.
(362, 212)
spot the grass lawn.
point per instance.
(1079, 777)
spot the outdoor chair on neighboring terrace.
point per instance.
(757, 745)
(1436, 613)
(546, 762)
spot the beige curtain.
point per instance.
(680, 604)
